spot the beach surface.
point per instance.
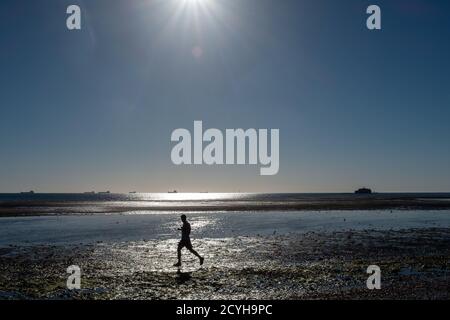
(248, 255)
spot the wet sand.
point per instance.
(116, 228)
(312, 265)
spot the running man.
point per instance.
(186, 241)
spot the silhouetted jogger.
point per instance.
(186, 241)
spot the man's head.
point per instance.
(183, 217)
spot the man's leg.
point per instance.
(195, 253)
(179, 253)
(180, 246)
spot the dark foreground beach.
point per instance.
(126, 245)
(314, 265)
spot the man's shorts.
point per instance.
(185, 243)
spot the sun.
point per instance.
(195, 5)
(195, 2)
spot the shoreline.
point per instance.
(36, 208)
(113, 228)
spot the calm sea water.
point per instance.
(138, 219)
(175, 197)
(85, 203)
(75, 229)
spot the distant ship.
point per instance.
(105, 192)
(174, 191)
(28, 192)
(133, 192)
(363, 191)
(89, 192)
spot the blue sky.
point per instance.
(94, 109)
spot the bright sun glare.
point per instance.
(194, 1)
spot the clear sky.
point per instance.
(94, 109)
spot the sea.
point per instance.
(70, 219)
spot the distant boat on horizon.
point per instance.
(132, 192)
(89, 192)
(363, 191)
(27, 192)
(174, 191)
(105, 192)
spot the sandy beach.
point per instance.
(414, 264)
(259, 255)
